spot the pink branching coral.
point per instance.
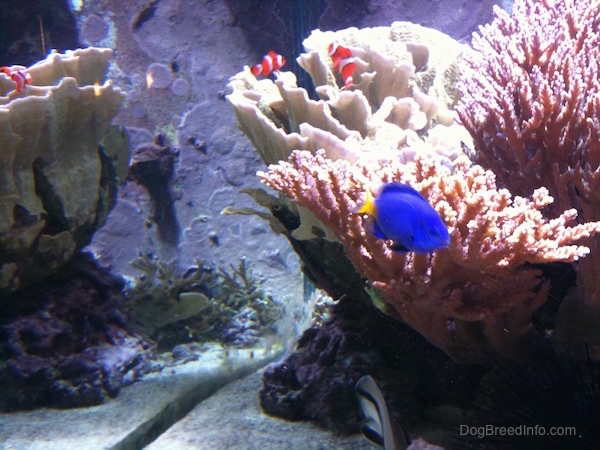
(531, 100)
(531, 97)
(476, 295)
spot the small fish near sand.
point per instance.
(20, 77)
(343, 63)
(402, 215)
(270, 63)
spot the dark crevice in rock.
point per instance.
(144, 16)
(325, 263)
(109, 186)
(56, 221)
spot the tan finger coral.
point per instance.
(477, 295)
(59, 162)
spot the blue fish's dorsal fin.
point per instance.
(400, 188)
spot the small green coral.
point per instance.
(205, 303)
(159, 296)
(241, 289)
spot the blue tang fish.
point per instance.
(402, 215)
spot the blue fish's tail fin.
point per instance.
(369, 206)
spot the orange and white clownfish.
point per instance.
(20, 77)
(271, 62)
(343, 62)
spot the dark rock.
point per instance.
(317, 381)
(152, 167)
(66, 342)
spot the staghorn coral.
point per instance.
(480, 293)
(246, 310)
(531, 99)
(160, 296)
(60, 162)
(464, 304)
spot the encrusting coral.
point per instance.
(530, 97)
(477, 295)
(60, 162)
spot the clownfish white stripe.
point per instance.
(19, 77)
(343, 63)
(271, 61)
(346, 68)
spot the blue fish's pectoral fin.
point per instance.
(373, 229)
(400, 248)
(377, 232)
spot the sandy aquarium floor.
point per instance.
(209, 403)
